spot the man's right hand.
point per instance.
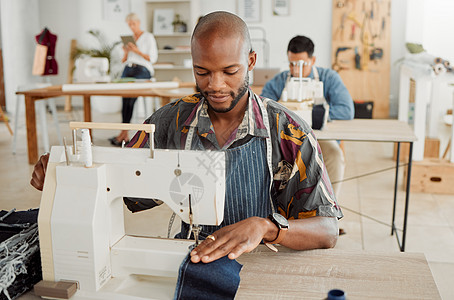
(39, 173)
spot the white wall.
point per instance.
(19, 25)
(72, 19)
(431, 23)
(310, 18)
(438, 28)
(399, 16)
(313, 19)
(62, 18)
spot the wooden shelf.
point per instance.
(172, 35)
(174, 51)
(172, 68)
(168, 1)
(173, 60)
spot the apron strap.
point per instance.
(316, 76)
(267, 140)
(189, 137)
(269, 149)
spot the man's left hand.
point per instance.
(233, 240)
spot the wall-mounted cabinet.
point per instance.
(174, 53)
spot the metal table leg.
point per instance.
(395, 187)
(407, 197)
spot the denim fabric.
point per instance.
(336, 94)
(246, 195)
(139, 72)
(247, 185)
(216, 280)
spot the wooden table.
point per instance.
(367, 130)
(56, 91)
(290, 274)
(311, 274)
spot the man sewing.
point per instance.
(300, 50)
(254, 133)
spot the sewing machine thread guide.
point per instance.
(74, 141)
(66, 151)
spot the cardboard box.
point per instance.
(430, 175)
(431, 149)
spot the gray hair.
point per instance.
(132, 17)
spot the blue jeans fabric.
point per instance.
(216, 280)
(246, 195)
(139, 72)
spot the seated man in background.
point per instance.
(301, 48)
(263, 142)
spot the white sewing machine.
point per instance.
(301, 94)
(91, 69)
(81, 223)
(303, 89)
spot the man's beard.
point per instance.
(236, 98)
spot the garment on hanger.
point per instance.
(48, 39)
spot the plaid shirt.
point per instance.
(301, 187)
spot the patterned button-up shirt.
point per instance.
(301, 187)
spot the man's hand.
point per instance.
(234, 240)
(39, 172)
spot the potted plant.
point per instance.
(105, 49)
(179, 25)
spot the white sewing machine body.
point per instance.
(301, 94)
(303, 89)
(81, 223)
(91, 69)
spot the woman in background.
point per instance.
(138, 60)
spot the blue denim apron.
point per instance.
(248, 179)
(247, 185)
(247, 194)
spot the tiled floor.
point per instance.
(366, 201)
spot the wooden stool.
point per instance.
(5, 119)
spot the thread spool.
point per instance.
(439, 69)
(86, 148)
(336, 295)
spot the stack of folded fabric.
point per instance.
(20, 262)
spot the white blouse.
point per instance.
(147, 45)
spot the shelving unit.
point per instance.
(174, 63)
(174, 51)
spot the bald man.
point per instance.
(295, 206)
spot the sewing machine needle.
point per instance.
(194, 229)
(190, 217)
(66, 151)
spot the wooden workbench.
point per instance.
(311, 274)
(290, 274)
(56, 91)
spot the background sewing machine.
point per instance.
(81, 223)
(305, 97)
(91, 69)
